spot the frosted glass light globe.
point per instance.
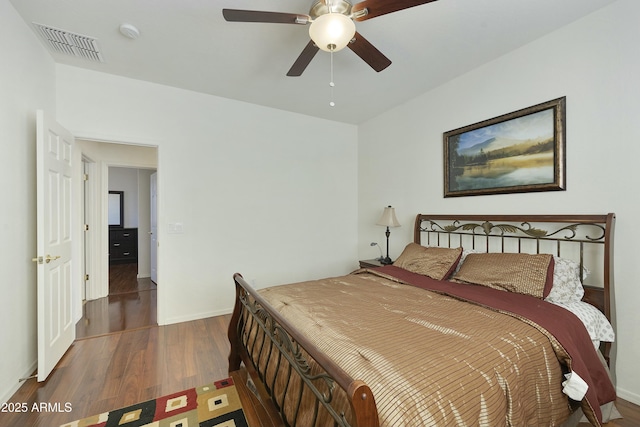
(332, 32)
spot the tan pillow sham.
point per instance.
(437, 263)
(521, 273)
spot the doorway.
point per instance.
(120, 294)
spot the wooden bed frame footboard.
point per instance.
(260, 336)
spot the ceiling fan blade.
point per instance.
(236, 15)
(368, 52)
(303, 60)
(382, 7)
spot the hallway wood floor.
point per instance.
(131, 304)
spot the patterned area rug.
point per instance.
(216, 404)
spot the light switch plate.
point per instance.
(175, 228)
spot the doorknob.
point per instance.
(46, 259)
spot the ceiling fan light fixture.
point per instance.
(332, 32)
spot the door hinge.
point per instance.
(86, 277)
(85, 176)
(86, 227)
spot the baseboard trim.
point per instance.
(196, 316)
(628, 396)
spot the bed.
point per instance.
(482, 320)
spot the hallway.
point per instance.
(131, 304)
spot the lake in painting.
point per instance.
(511, 153)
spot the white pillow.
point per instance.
(465, 252)
(566, 287)
(594, 320)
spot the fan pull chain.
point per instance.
(331, 83)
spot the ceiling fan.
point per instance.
(332, 27)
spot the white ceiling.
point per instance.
(188, 44)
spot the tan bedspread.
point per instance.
(430, 360)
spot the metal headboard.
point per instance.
(586, 239)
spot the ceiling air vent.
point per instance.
(77, 45)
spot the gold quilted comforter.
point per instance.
(430, 359)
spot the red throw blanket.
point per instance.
(568, 330)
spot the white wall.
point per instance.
(27, 83)
(126, 179)
(267, 193)
(595, 63)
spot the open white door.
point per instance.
(56, 329)
(153, 252)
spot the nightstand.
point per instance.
(370, 263)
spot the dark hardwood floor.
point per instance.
(125, 364)
(131, 304)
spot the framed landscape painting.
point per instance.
(513, 153)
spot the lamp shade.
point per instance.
(388, 218)
(332, 31)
